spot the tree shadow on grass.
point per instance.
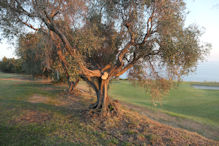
(29, 135)
(47, 84)
(48, 87)
(19, 104)
(25, 90)
(64, 119)
(13, 132)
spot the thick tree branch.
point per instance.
(53, 15)
(106, 68)
(149, 28)
(60, 55)
(120, 71)
(73, 52)
(29, 25)
(120, 62)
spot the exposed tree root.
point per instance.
(110, 111)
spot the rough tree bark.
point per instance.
(104, 105)
(64, 63)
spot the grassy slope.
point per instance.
(59, 119)
(184, 101)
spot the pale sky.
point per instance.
(204, 13)
(6, 49)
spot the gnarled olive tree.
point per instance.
(107, 38)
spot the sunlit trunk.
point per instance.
(104, 103)
(105, 98)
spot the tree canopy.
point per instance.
(100, 40)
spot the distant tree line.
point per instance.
(11, 65)
(31, 66)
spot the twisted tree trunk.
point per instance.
(104, 105)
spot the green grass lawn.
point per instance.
(23, 123)
(184, 101)
(7, 75)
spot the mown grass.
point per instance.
(63, 126)
(8, 75)
(183, 101)
(24, 122)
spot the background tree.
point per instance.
(40, 58)
(35, 52)
(106, 38)
(11, 65)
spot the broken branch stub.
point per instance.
(104, 76)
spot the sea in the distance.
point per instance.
(205, 72)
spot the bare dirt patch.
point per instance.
(14, 79)
(33, 117)
(26, 78)
(47, 100)
(38, 99)
(47, 88)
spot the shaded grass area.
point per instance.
(184, 101)
(26, 123)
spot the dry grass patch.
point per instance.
(210, 132)
(47, 100)
(33, 117)
(15, 79)
(137, 129)
(38, 99)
